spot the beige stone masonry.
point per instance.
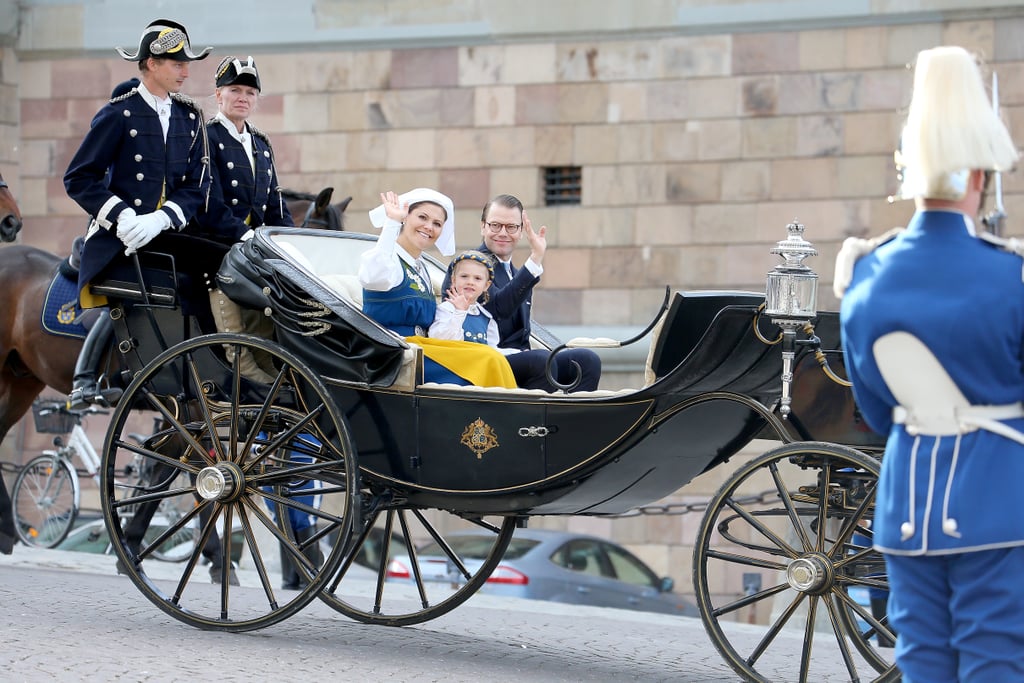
(664, 224)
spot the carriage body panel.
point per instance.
(715, 387)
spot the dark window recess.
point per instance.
(563, 185)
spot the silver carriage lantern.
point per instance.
(791, 299)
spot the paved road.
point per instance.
(68, 617)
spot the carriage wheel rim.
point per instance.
(826, 574)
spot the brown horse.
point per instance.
(10, 215)
(316, 210)
(30, 358)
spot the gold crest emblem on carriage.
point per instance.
(66, 313)
(479, 437)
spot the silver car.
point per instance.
(558, 566)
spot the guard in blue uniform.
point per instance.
(933, 334)
(141, 173)
(245, 194)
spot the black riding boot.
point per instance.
(85, 389)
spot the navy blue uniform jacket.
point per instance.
(126, 139)
(237, 193)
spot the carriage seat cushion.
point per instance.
(343, 284)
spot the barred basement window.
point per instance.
(562, 185)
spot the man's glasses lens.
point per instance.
(511, 228)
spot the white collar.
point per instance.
(231, 127)
(476, 309)
(152, 100)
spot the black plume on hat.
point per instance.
(233, 71)
(165, 39)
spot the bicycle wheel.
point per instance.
(45, 501)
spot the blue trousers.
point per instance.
(959, 617)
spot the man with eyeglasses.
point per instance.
(502, 224)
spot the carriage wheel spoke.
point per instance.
(751, 599)
(765, 531)
(787, 502)
(824, 490)
(745, 560)
(844, 648)
(775, 629)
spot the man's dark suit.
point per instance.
(510, 303)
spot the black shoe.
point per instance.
(232, 576)
(7, 543)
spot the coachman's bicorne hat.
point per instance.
(164, 39)
(233, 71)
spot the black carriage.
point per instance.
(349, 460)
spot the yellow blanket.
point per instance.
(474, 362)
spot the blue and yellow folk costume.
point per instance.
(933, 337)
(398, 294)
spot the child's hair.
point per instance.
(479, 257)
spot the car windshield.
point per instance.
(478, 547)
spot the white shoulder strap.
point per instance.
(918, 381)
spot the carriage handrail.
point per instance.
(601, 343)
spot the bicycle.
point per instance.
(46, 496)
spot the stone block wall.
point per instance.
(697, 148)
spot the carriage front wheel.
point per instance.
(263, 478)
(784, 571)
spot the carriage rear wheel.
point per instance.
(247, 465)
(409, 565)
(784, 568)
(45, 500)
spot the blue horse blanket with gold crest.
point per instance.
(61, 311)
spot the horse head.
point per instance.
(10, 215)
(322, 214)
(317, 210)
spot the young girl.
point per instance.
(462, 315)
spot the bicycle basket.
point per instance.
(56, 422)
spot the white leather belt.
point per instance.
(961, 419)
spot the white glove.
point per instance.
(247, 236)
(143, 229)
(125, 215)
